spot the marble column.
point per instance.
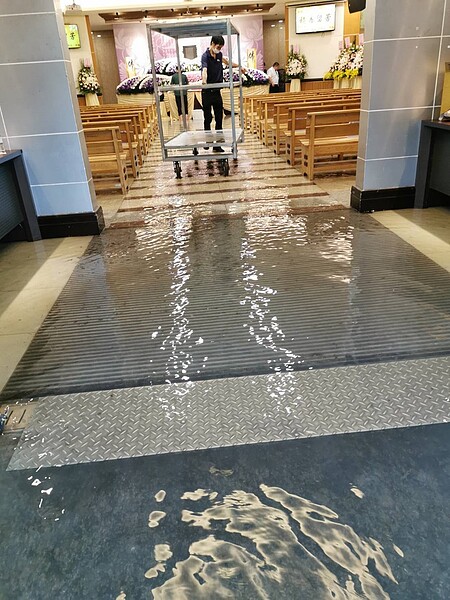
(407, 43)
(39, 114)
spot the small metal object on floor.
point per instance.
(16, 417)
(124, 423)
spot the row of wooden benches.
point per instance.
(318, 131)
(117, 138)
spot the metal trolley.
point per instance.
(187, 144)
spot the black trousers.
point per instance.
(178, 101)
(212, 100)
(274, 89)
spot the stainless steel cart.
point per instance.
(188, 144)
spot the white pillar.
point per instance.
(407, 43)
(39, 112)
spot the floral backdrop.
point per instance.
(131, 42)
(166, 67)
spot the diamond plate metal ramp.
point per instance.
(206, 298)
(125, 423)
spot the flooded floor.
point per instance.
(363, 515)
(239, 390)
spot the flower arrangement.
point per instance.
(296, 65)
(169, 66)
(254, 77)
(138, 85)
(87, 79)
(250, 78)
(141, 85)
(348, 64)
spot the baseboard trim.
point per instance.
(72, 225)
(388, 199)
(436, 198)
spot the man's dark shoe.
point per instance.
(205, 147)
(218, 149)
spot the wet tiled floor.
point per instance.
(195, 298)
(197, 280)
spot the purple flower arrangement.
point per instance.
(169, 66)
(256, 77)
(251, 77)
(141, 85)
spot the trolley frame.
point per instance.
(185, 145)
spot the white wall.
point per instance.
(320, 49)
(274, 43)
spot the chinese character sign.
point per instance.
(312, 19)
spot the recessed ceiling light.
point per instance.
(272, 25)
(99, 35)
(280, 21)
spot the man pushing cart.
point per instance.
(187, 144)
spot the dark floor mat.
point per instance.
(301, 520)
(203, 298)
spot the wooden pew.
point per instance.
(295, 131)
(129, 143)
(140, 115)
(331, 142)
(106, 157)
(265, 108)
(274, 134)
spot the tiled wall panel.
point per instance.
(38, 106)
(394, 132)
(408, 18)
(405, 52)
(392, 172)
(403, 73)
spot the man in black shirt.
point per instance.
(212, 72)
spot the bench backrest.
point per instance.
(338, 123)
(297, 116)
(267, 107)
(103, 140)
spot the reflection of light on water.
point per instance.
(178, 340)
(159, 496)
(263, 325)
(155, 517)
(274, 545)
(224, 472)
(358, 493)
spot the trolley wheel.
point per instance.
(225, 167)
(177, 169)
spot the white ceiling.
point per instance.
(93, 7)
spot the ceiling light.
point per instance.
(99, 35)
(73, 8)
(273, 25)
(280, 21)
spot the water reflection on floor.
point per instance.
(362, 515)
(190, 298)
(274, 524)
